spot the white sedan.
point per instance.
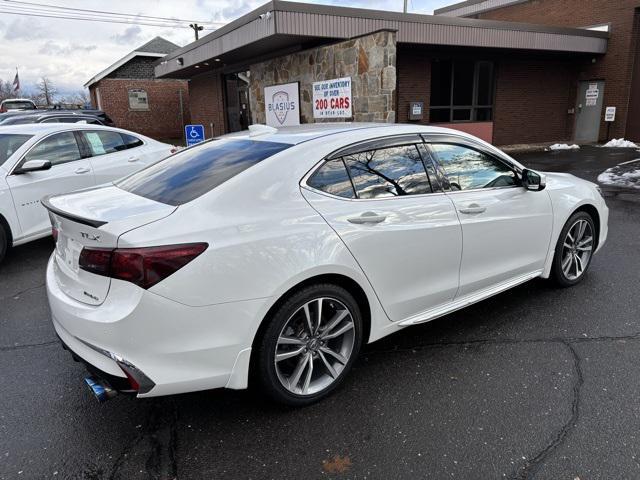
(43, 159)
(277, 253)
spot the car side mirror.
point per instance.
(34, 166)
(533, 181)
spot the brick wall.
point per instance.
(532, 96)
(206, 100)
(615, 67)
(414, 81)
(137, 67)
(532, 101)
(161, 121)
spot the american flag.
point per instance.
(16, 82)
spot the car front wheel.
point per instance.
(309, 345)
(574, 250)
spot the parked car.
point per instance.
(278, 253)
(42, 159)
(51, 117)
(17, 104)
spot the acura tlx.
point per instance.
(271, 256)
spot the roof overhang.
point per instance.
(119, 63)
(281, 24)
(474, 7)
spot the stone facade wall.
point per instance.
(369, 60)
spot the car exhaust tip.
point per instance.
(100, 389)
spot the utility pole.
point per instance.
(405, 6)
(197, 28)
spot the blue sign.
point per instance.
(194, 134)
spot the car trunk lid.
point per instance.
(94, 218)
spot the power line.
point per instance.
(83, 11)
(88, 19)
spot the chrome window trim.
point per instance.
(401, 139)
(19, 163)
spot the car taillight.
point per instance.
(144, 266)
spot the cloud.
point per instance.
(53, 48)
(23, 28)
(131, 35)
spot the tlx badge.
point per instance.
(281, 106)
(89, 236)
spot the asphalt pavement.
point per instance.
(537, 382)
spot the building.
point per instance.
(136, 100)
(519, 71)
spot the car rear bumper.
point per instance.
(177, 348)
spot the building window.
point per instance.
(138, 99)
(461, 91)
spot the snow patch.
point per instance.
(623, 175)
(563, 146)
(620, 143)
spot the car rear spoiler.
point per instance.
(46, 203)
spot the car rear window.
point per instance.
(195, 171)
(13, 105)
(9, 143)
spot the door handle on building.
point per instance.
(472, 208)
(81, 170)
(367, 217)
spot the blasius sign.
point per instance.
(282, 106)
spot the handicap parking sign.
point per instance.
(194, 134)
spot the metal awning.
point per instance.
(279, 25)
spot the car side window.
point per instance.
(50, 120)
(469, 169)
(58, 148)
(102, 142)
(388, 172)
(130, 141)
(332, 178)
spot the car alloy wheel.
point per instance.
(309, 344)
(314, 346)
(577, 249)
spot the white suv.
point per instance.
(43, 159)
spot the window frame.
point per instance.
(23, 158)
(465, 143)
(474, 106)
(415, 140)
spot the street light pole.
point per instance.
(197, 28)
(405, 6)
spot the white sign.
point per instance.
(592, 95)
(332, 98)
(282, 105)
(138, 99)
(610, 114)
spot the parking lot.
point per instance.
(536, 382)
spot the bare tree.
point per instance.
(6, 90)
(46, 91)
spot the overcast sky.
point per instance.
(70, 52)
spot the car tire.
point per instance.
(574, 250)
(4, 243)
(294, 336)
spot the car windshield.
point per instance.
(9, 143)
(195, 171)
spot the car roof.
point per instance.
(310, 131)
(39, 128)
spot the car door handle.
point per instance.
(367, 217)
(133, 159)
(82, 170)
(472, 208)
